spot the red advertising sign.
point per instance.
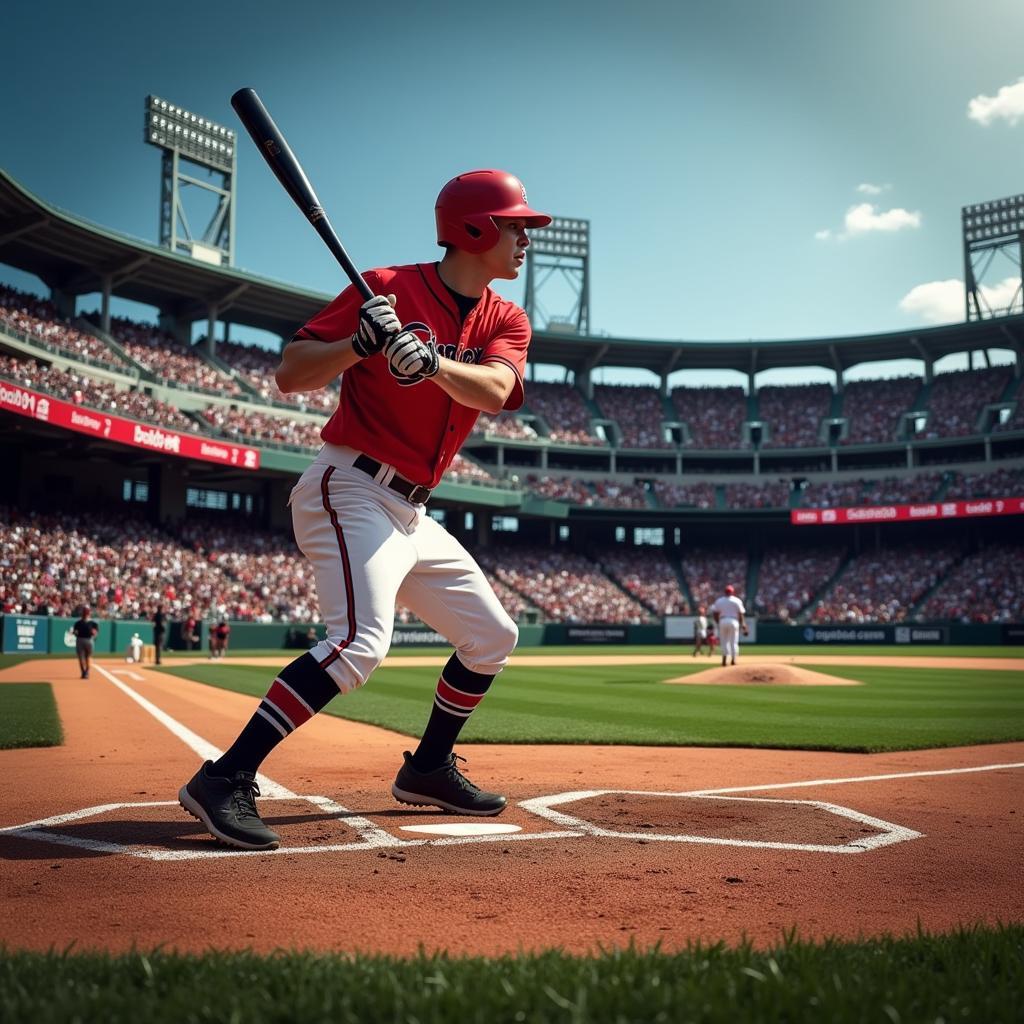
(58, 413)
(908, 513)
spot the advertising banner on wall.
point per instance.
(595, 634)
(58, 413)
(25, 634)
(908, 513)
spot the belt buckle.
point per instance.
(419, 495)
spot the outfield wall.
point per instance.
(37, 634)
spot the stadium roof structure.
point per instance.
(73, 255)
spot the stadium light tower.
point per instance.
(559, 255)
(185, 138)
(992, 229)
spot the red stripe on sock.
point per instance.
(466, 701)
(281, 698)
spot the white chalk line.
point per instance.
(856, 778)
(207, 751)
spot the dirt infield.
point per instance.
(613, 844)
(753, 673)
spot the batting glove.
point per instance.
(378, 323)
(411, 360)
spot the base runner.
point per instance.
(420, 361)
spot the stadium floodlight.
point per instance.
(172, 127)
(558, 263)
(991, 229)
(182, 135)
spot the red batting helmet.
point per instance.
(730, 589)
(466, 206)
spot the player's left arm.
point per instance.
(485, 387)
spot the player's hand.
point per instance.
(411, 359)
(378, 323)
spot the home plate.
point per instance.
(463, 828)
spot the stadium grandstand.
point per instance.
(143, 468)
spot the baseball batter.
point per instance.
(419, 362)
(730, 615)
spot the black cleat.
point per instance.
(227, 807)
(445, 787)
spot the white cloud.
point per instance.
(866, 188)
(823, 235)
(942, 302)
(864, 217)
(1007, 104)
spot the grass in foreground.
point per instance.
(28, 716)
(894, 709)
(970, 975)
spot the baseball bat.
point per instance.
(287, 169)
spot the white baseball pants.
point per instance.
(729, 630)
(370, 547)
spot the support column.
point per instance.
(211, 329)
(108, 282)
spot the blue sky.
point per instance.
(750, 169)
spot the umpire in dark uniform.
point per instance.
(159, 630)
(85, 631)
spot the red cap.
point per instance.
(730, 589)
(466, 205)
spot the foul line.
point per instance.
(207, 751)
(856, 778)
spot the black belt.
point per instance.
(416, 493)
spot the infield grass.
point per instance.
(893, 709)
(974, 975)
(28, 716)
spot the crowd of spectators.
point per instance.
(616, 494)
(647, 576)
(564, 410)
(831, 493)
(567, 489)
(671, 495)
(567, 587)
(902, 489)
(638, 412)
(256, 366)
(987, 586)
(170, 360)
(770, 494)
(956, 400)
(463, 470)
(39, 319)
(505, 424)
(714, 416)
(790, 576)
(874, 408)
(1000, 483)
(793, 414)
(708, 572)
(262, 427)
(884, 585)
(94, 393)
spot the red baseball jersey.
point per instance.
(417, 429)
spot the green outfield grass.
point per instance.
(972, 975)
(893, 709)
(28, 716)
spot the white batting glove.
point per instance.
(411, 360)
(378, 323)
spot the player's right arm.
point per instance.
(308, 363)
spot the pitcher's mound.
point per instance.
(762, 675)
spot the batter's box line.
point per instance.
(887, 833)
(374, 838)
(371, 836)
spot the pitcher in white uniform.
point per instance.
(730, 615)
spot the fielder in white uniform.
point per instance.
(730, 615)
